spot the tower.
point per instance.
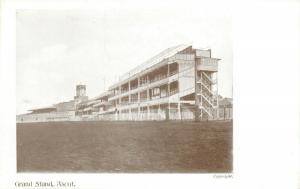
(80, 93)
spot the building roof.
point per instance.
(167, 53)
(43, 108)
(91, 102)
(106, 93)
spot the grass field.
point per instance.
(183, 147)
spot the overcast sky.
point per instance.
(57, 49)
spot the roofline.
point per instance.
(151, 62)
(45, 108)
(105, 93)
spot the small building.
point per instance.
(225, 108)
(63, 111)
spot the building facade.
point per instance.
(180, 83)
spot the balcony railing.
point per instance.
(124, 103)
(173, 91)
(210, 64)
(144, 84)
(135, 101)
(157, 78)
(143, 99)
(133, 87)
(124, 91)
(173, 72)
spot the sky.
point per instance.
(58, 49)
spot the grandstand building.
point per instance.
(180, 83)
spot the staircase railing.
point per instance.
(213, 81)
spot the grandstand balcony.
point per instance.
(207, 64)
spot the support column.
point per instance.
(217, 95)
(148, 113)
(148, 95)
(129, 95)
(168, 111)
(159, 112)
(139, 99)
(201, 99)
(129, 99)
(168, 106)
(179, 110)
(148, 81)
(139, 102)
(197, 112)
(116, 115)
(139, 113)
(129, 87)
(120, 101)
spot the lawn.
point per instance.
(131, 147)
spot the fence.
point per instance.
(47, 117)
(186, 113)
(158, 115)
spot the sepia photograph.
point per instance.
(123, 92)
(149, 94)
